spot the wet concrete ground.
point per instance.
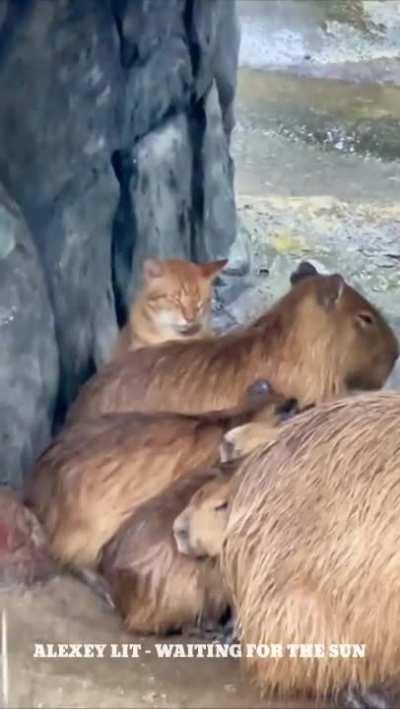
(311, 184)
(64, 611)
(300, 136)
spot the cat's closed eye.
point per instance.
(174, 303)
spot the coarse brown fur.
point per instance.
(312, 547)
(154, 587)
(242, 440)
(320, 341)
(200, 527)
(94, 474)
(174, 303)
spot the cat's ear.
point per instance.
(212, 268)
(152, 268)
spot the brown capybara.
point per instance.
(312, 552)
(94, 474)
(199, 531)
(320, 341)
(156, 589)
(200, 527)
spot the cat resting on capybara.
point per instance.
(312, 549)
(320, 341)
(174, 303)
(154, 587)
(96, 473)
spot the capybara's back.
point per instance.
(318, 342)
(312, 549)
(154, 587)
(94, 474)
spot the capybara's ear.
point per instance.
(305, 269)
(365, 319)
(259, 390)
(212, 268)
(152, 268)
(330, 290)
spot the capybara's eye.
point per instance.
(221, 506)
(260, 386)
(365, 319)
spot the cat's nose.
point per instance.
(189, 328)
(189, 318)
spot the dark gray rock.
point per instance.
(162, 195)
(215, 37)
(226, 62)
(28, 352)
(156, 54)
(158, 89)
(218, 218)
(108, 109)
(211, 25)
(144, 26)
(182, 60)
(62, 90)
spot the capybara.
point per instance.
(155, 588)
(199, 531)
(200, 527)
(24, 553)
(312, 551)
(94, 474)
(320, 341)
(173, 303)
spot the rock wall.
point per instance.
(114, 143)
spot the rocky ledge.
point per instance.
(114, 144)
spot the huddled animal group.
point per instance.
(256, 473)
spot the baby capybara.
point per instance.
(200, 527)
(96, 473)
(155, 588)
(199, 530)
(320, 341)
(312, 552)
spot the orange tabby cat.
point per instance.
(174, 303)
